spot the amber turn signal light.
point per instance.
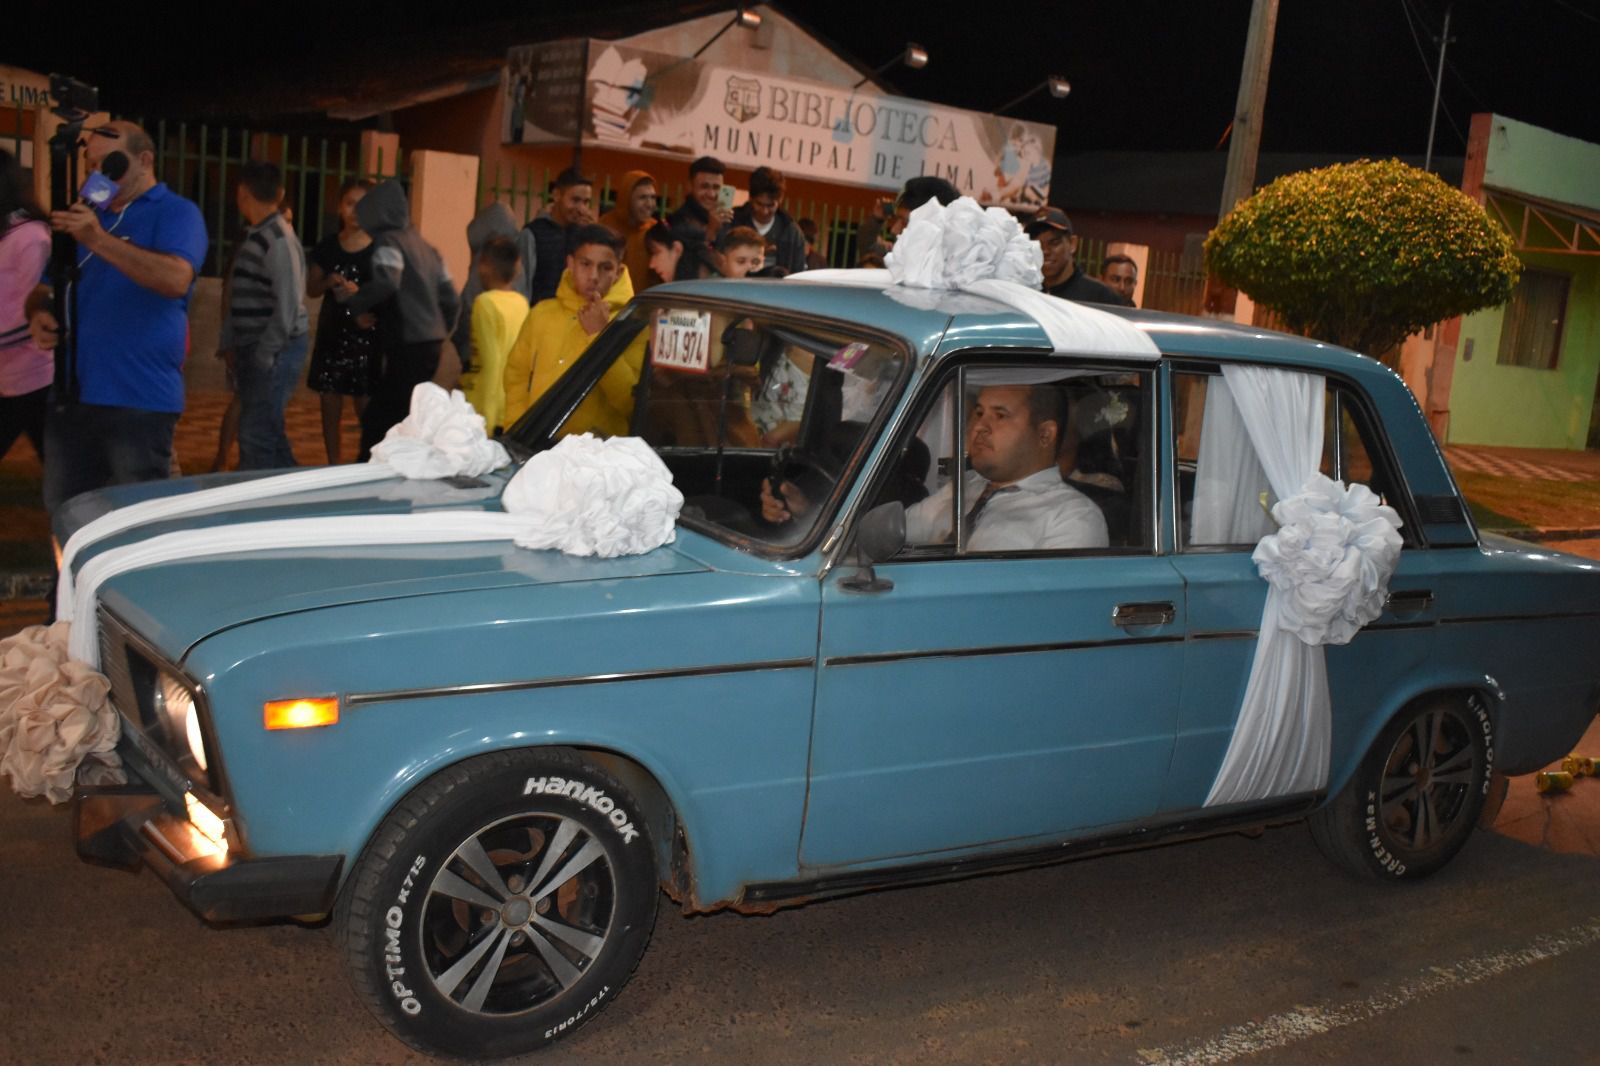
(300, 714)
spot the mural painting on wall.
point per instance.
(615, 96)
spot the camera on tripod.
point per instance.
(74, 102)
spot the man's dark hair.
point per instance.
(1118, 259)
(1048, 403)
(262, 180)
(919, 191)
(570, 177)
(501, 255)
(355, 183)
(808, 226)
(767, 182)
(594, 233)
(706, 164)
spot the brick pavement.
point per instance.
(1526, 463)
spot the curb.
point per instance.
(1541, 535)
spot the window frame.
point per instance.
(1342, 388)
(955, 368)
(551, 412)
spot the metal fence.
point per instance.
(1172, 284)
(525, 192)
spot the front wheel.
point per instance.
(1417, 794)
(501, 905)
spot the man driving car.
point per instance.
(1015, 498)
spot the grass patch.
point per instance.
(1504, 503)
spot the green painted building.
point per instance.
(1525, 374)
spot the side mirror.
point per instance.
(879, 538)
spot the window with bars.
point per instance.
(1530, 333)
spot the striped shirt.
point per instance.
(265, 288)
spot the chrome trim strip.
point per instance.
(1389, 626)
(1518, 617)
(357, 699)
(999, 649)
(1226, 634)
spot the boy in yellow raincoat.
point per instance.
(594, 287)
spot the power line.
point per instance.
(1591, 16)
(1405, 6)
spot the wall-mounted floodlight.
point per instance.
(745, 18)
(912, 55)
(1059, 88)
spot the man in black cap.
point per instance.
(1053, 230)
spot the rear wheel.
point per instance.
(1417, 794)
(501, 905)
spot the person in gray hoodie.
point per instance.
(494, 220)
(412, 291)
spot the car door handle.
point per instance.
(1409, 601)
(1143, 614)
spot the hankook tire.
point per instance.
(501, 905)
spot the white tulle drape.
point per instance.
(1327, 566)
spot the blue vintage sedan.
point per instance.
(945, 596)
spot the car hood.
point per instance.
(178, 604)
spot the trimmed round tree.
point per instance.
(1363, 254)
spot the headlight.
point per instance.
(175, 706)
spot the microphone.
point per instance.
(114, 165)
(101, 186)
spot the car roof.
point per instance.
(934, 320)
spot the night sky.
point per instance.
(1352, 76)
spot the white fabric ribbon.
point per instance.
(1330, 559)
(588, 496)
(442, 436)
(985, 252)
(1327, 567)
(584, 496)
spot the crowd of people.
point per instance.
(535, 296)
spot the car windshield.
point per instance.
(759, 420)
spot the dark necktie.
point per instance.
(989, 492)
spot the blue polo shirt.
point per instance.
(131, 341)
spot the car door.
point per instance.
(1225, 593)
(984, 697)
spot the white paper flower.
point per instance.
(442, 437)
(950, 247)
(1331, 559)
(54, 715)
(588, 496)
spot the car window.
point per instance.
(1223, 494)
(737, 406)
(1050, 460)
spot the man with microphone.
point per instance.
(138, 252)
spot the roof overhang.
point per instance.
(1546, 226)
(356, 110)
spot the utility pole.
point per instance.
(1218, 300)
(1245, 142)
(1438, 83)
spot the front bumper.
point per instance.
(131, 826)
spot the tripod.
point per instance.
(75, 101)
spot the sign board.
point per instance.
(657, 104)
(23, 88)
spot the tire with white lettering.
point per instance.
(1417, 794)
(501, 905)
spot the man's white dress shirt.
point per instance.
(1037, 513)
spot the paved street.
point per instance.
(1217, 951)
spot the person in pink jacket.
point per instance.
(26, 370)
